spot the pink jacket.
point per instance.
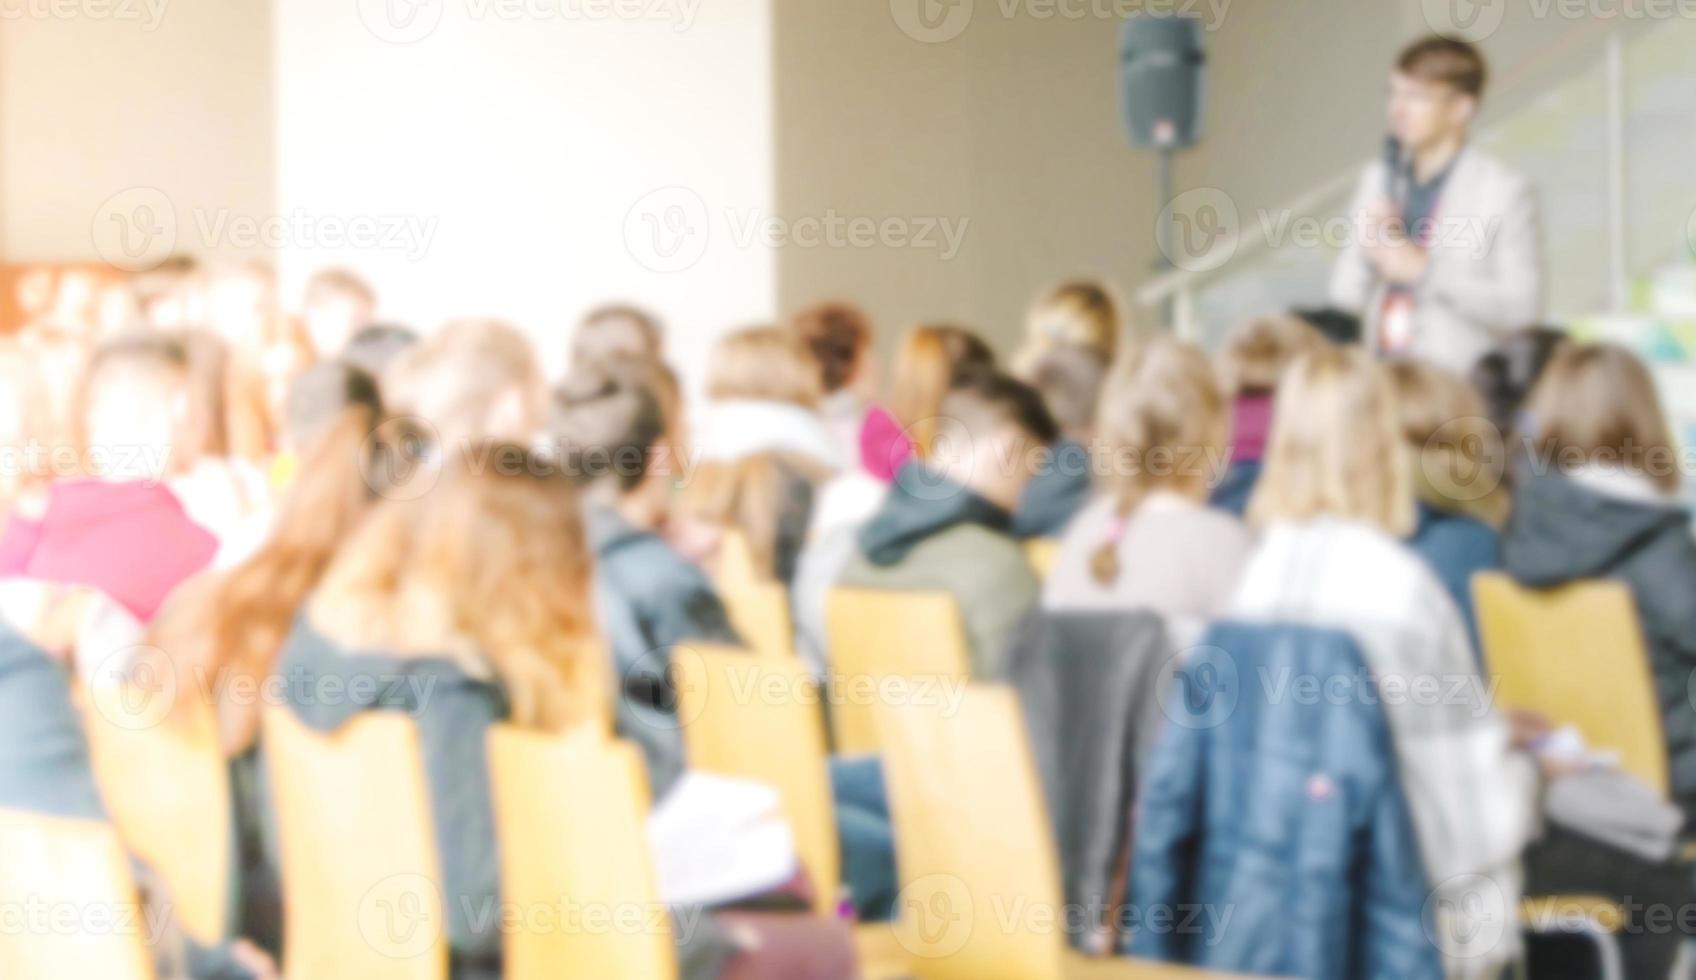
(132, 541)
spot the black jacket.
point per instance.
(1562, 531)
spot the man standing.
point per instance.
(1447, 255)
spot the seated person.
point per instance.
(1457, 475)
(1607, 508)
(121, 530)
(1333, 509)
(946, 524)
(1069, 380)
(337, 305)
(617, 330)
(1251, 363)
(648, 596)
(1149, 541)
(499, 616)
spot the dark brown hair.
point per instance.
(1448, 61)
(836, 335)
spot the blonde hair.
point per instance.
(492, 566)
(472, 379)
(763, 363)
(1078, 313)
(1598, 402)
(752, 496)
(1459, 453)
(1336, 448)
(1161, 399)
(1260, 350)
(932, 359)
(236, 621)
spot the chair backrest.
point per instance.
(760, 613)
(876, 634)
(571, 812)
(1576, 654)
(1041, 553)
(54, 868)
(756, 719)
(361, 881)
(167, 789)
(980, 896)
(735, 566)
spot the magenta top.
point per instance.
(132, 541)
(884, 445)
(1251, 424)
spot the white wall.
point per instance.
(510, 153)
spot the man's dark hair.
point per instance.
(985, 399)
(1448, 61)
(606, 424)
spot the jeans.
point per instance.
(865, 836)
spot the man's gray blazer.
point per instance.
(1486, 276)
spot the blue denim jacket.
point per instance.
(1272, 836)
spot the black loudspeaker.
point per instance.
(1162, 68)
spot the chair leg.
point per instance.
(1606, 943)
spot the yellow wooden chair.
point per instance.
(876, 634)
(972, 841)
(1575, 654)
(750, 718)
(571, 812)
(361, 883)
(185, 835)
(56, 864)
(1042, 553)
(760, 613)
(735, 566)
